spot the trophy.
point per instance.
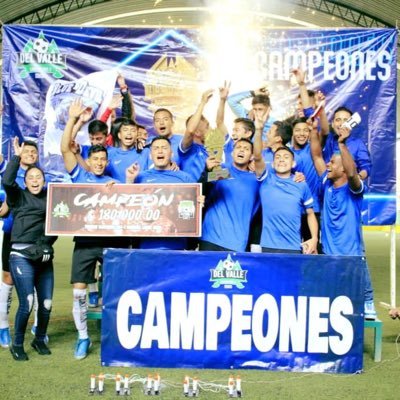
(353, 121)
(214, 143)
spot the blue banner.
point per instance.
(232, 310)
(46, 67)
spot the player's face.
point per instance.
(97, 162)
(283, 161)
(260, 109)
(97, 138)
(240, 132)
(242, 153)
(163, 123)
(202, 128)
(34, 180)
(161, 154)
(301, 133)
(29, 155)
(335, 167)
(128, 136)
(339, 119)
(142, 134)
(271, 135)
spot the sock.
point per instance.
(92, 287)
(5, 304)
(79, 312)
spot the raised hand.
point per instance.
(17, 148)
(76, 108)
(224, 90)
(132, 172)
(299, 74)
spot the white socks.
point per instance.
(79, 311)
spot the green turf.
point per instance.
(59, 376)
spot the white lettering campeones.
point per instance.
(195, 321)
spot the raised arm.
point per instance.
(128, 107)
(259, 162)
(349, 165)
(223, 95)
(75, 110)
(195, 120)
(316, 149)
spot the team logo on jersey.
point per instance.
(228, 273)
(41, 56)
(61, 210)
(186, 209)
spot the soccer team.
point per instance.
(295, 186)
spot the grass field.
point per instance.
(60, 376)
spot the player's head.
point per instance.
(163, 122)
(30, 154)
(98, 131)
(243, 128)
(161, 152)
(283, 160)
(127, 133)
(242, 152)
(202, 127)
(301, 132)
(280, 133)
(261, 103)
(142, 132)
(335, 167)
(340, 116)
(97, 159)
(312, 99)
(34, 179)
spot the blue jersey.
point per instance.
(230, 207)
(356, 147)
(193, 160)
(161, 176)
(341, 219)
(283, 202)
(305, 164)
(120, 160)
(80, 175)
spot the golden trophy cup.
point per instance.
(214, 143)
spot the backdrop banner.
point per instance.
(46, 67)
(183, 309)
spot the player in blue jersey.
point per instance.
(126, 154)
(305, 164)
(283, 201)
(87, 250)
(161, 154)
(341, 211)
(231, 203)
(163, 125)
(192, 152)
(356, 146)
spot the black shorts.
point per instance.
(84, 261)
(5, 255)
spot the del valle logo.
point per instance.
(228, 273)
(41, 56)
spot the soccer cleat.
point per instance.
(5, 338)
(33, 331)
(40, 347)
(82, 348)
(369, 310)
(93, 299)
(18, 353)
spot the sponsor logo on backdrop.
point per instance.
(41, 56)
(228, 273)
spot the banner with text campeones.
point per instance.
(46, 67)
(232, 310)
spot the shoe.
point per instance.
(5, 338)
(33, 331)
(369, 310)
(82, 348)
(40, 347)
(93, 299)
(18, 353)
